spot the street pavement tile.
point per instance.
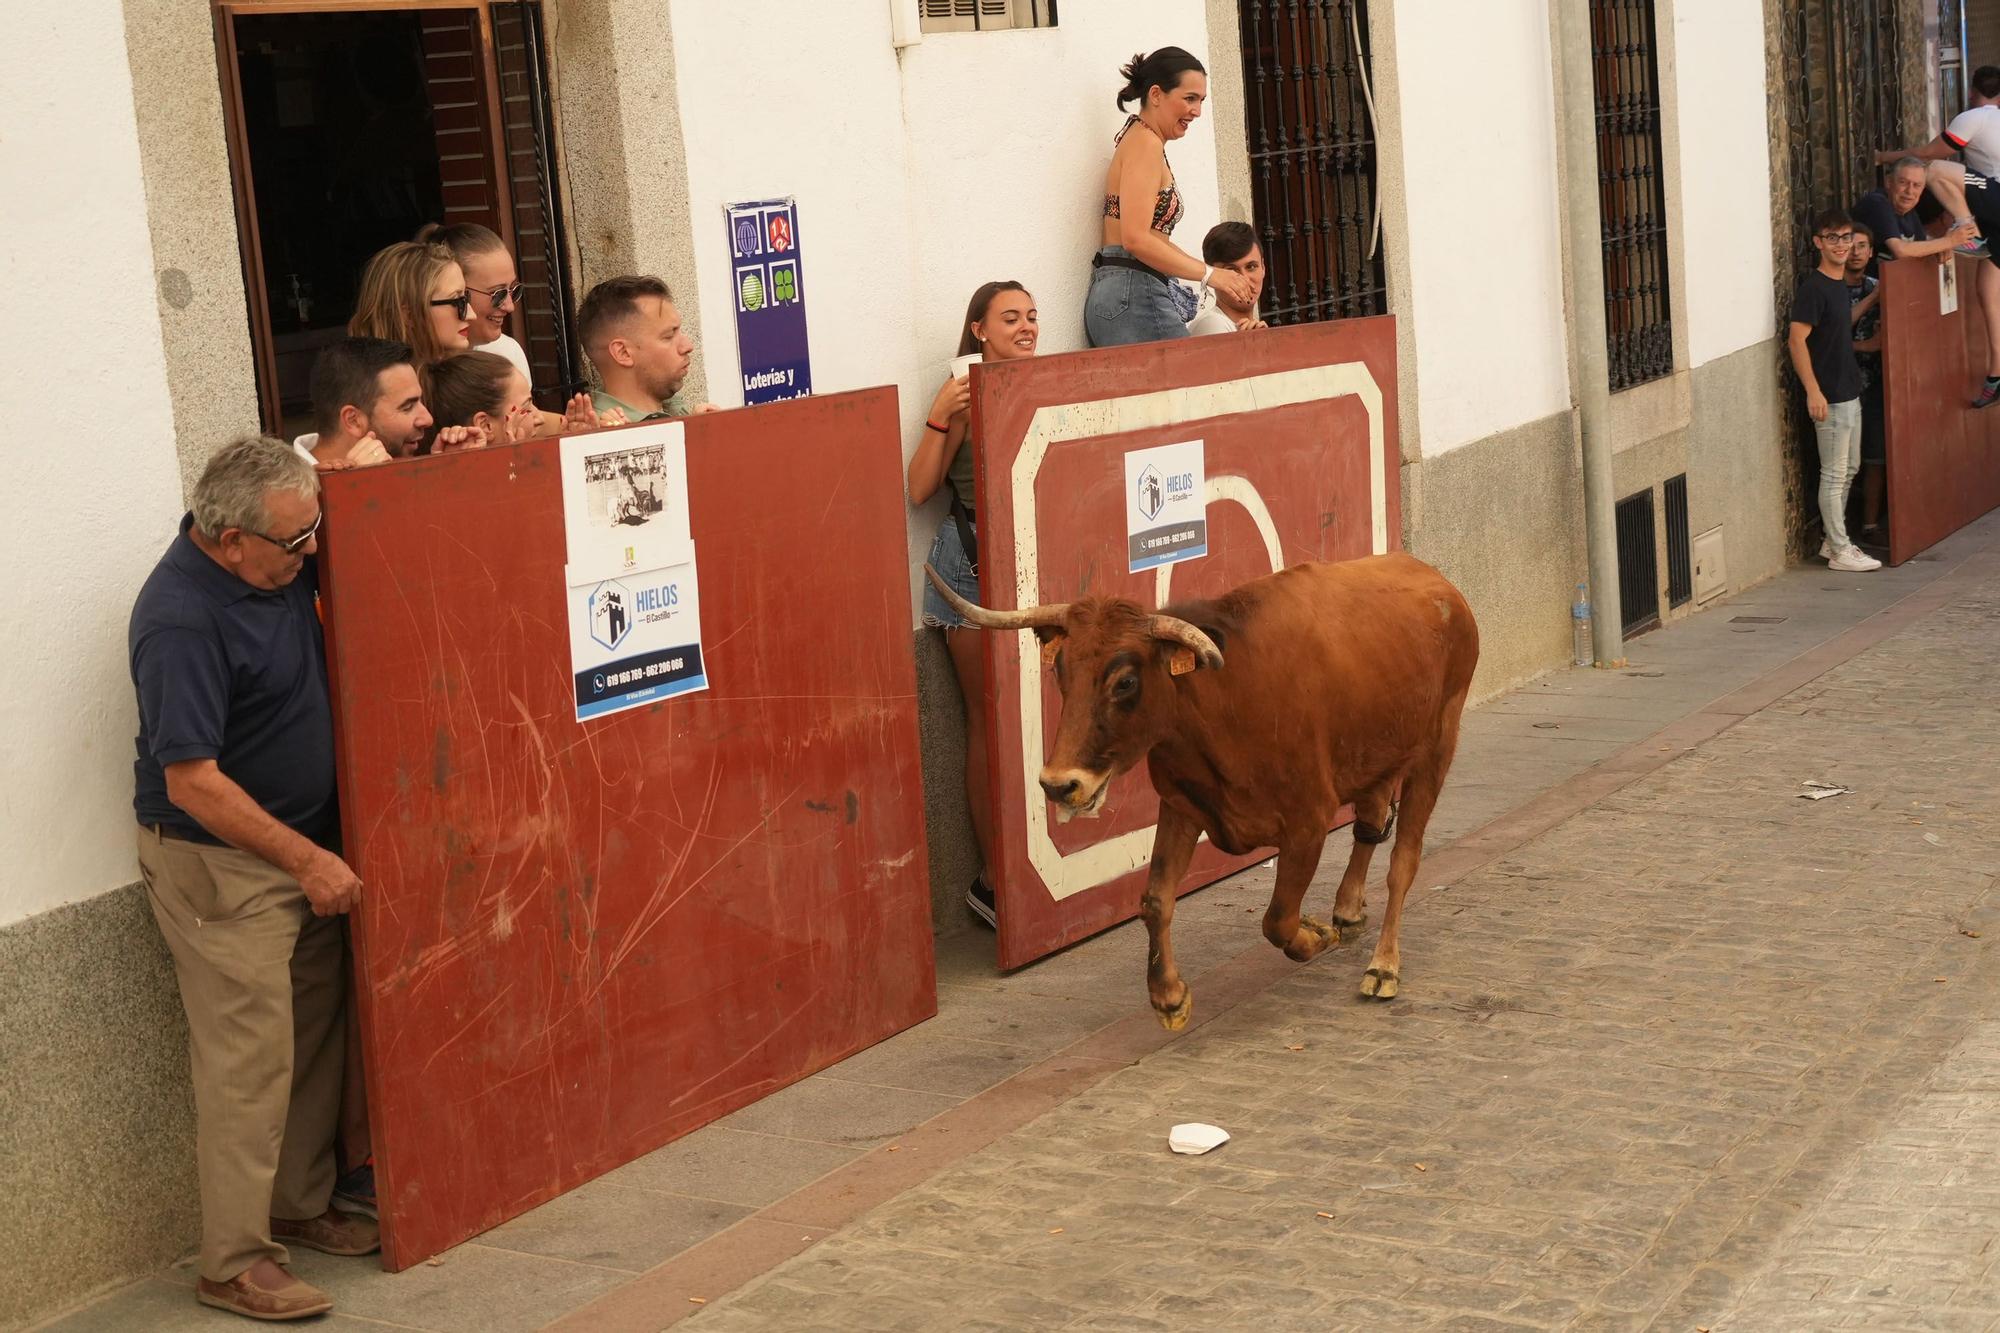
(612, 1226)
(471, 1287)
(731, 1166)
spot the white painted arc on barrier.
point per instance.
(1228, 486)
(1100, 863)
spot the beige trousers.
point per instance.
(263, 981)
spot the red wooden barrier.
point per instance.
(1299, 431)
(1944, 455)
(580, 941)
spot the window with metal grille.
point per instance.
(1311, 140)
(1631, 192)
(1638, 563)
(1680, 555)
(985, 15)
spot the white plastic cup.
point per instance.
(962, 364)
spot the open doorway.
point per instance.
(353, 126)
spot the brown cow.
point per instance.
(1320, 685)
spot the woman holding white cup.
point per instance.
(1001, 324)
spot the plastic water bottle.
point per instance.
(1579, 624)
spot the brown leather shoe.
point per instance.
(332, 1232)
(242, 1295)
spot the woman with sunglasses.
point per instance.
(490, 281)
(495, 288)
(414, 292)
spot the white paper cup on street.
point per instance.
(1195, 1138)
(961, 364)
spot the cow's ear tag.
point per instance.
(1050, 648)
(1182, 662)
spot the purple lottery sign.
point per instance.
(770, 300)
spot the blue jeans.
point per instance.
(949, 559)
(1839, 459)
(1127, 306)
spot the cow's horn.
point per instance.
(1179, 631)
(1028, 617)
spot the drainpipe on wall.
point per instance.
(1578, 145)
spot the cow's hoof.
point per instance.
(1311, 940)
(1378, 983)
(1350, 930)
(1176, 1018)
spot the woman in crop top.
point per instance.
(1132, 286)
(1001, 324)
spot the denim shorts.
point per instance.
(1127, 306)
(948, 558)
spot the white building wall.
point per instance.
(1725, 174)
(92, 485)
(919, 174)
(1477, 106)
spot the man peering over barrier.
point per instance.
(234, 795)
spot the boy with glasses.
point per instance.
(1821, 341)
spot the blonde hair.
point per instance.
(395, 298)
(466, 240)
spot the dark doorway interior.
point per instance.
(350, 129)
(343, 149)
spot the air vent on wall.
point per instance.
(950, 15)
(1680, 569)
(1638, 563)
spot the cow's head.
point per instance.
(1115, 664)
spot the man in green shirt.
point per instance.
(632, 332)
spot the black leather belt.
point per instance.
(1126, 261)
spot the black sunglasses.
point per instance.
(461, 304)
(293, 545)
(511, 292)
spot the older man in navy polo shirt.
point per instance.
(235, 803)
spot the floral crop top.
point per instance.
(1168, 208)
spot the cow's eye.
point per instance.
(1125, 686)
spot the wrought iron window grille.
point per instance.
(1631, 193)
(1312, 158)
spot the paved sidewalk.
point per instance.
(1670, 1040)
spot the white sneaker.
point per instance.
(1853, 561)
(1825, 549)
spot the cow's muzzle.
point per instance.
(1075, 792)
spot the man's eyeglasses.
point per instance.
(1837, 237)
(461, 304)
(293, 545)
(511, 292)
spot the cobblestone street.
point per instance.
(1705, 1055)
(1676, 1049)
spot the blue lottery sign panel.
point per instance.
(770, 300)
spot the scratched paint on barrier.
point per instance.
(1940, 448)
(583, 940)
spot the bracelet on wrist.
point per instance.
(1207, 272)
(932, 425)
